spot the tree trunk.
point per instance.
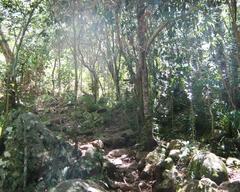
(53, 76)
(142, 80)
(59, 78)
(75, 53)
(236, 52)
(10, 81)
(120, 51)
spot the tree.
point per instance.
(12, 57)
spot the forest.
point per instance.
(119, 95)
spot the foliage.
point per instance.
(176, 62)
(230, 122)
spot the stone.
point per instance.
(155, 156)
(175, 154)
(121, 139)
(78, 185)
(147, 172)
(233, 162)
(203, 185)
(228, 186)
(52, 159)
(206, 164)
(98, 144)
(167, 164)
(185, 155)
(151, 161)
(175, 144)
(168, 182)
(141, 164)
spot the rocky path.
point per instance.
(121, 160)
(174, 165)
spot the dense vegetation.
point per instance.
(165, 69)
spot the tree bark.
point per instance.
(232, 4)
(142, 80)
(10, 95)
(74, 52)
(53, 76)
(12, 60)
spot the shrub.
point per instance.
(230, 122)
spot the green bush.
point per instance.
(230, 122)
(87, 120)
(88, 103)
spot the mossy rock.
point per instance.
(78, 185)
(206, 164)
(203, 185)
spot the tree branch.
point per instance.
(4, 46)
(166, 24)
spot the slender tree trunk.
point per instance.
(59, 72)
(10, 99)
(53, 76)
(95, 87)
(12, 59)
(236, 52)
(81, 79)
(142, 80)
(120, 51)
(117, 86)
(75, 53)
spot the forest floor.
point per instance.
(125, 162)
(118, 145)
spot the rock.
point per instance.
(206, 164)
(51, 159)
(155, 156)
(175, 144)
(175, 154)
(168, 182)
(185, 155)
(78, 185)
(111, 170)
(203, 185)
(141, 154)
(167, 164)
(124, 138)
(141, 164)
(152, 159)
(233, 162)
(118, 152)
(98, 144)
(228, 186)
(147, 171)
(163, 165)
(208, 183)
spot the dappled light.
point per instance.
(119, 95)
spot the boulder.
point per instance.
(150, 162)
(175, 144)
(168, 182)
(233, 162)
(185, 155)
(125, 138)
(203, 185)
(147, 172)
(167, 164)
(155, 156)
(175, 154)
(206, 164)
(228, 186)
(78, 185)
(50, 158)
